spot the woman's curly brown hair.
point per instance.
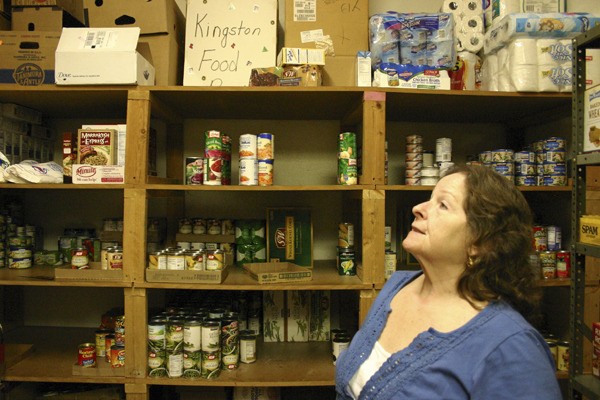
(500, 228)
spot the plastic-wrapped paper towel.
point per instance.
(533, 65)
(420, 40)
(469, 26)
(489, 73)
(498, 9)
(549, 25)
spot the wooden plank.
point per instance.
(373, 240)
(373, 138)
(367, 297)
(136, 323)
(138, 132)
(135, 219)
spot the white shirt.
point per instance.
(376, 359)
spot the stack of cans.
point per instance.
(347, 159)
(248, 166)
(217, 158)
(552, 160)
(443, 155)
(265, 149)
(525, 168)
(414, 160)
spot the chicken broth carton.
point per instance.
(97, 146)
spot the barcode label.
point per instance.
(89, 39)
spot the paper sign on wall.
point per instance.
(224, 40)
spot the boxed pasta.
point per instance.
(97, 146)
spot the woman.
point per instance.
(457, 328)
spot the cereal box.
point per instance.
(97, 146)
(289, 232)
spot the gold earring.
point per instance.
(470, 261)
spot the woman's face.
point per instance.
(439, 231)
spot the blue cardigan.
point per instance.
(496, 355)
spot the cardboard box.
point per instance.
(339, 71)
(320, 316)
(121, 141)
(285, 315)
(162, 27)
(5, 24)
(429, 79)
(273, 316)
(596, 349)
(300, 56)
(186, 276)
(94, 273)
(224, 41)
(98, 174)
(97, 146)
(73, 7)
(346, 24)
(589, 225)
(101, 56)
(43, 19)
(27, 58)
(278, 272)
(591, 119)
(289, 236)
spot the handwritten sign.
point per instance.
(224, 40)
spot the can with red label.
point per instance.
(87, 355)
(540, 238)
(563, 264)
(117, 356)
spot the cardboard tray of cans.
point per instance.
(186, 276)
(278, 272)
(94, 273)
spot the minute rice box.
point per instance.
(97, 146)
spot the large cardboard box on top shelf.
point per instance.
(225, 40)
(27, 58)
(345, 22)
(52, 18)
(162, 27)
(73, 7)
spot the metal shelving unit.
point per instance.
(581, 381)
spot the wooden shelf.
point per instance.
(60, 186)
(563, 282)
(276, 188)
(53, 356)
(325, 277)
(277, 364)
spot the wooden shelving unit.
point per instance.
(184, 112)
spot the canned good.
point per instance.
(114, 258)
(87, 355)
(213, 143)
(412, 181)
(346, 261)
(185, 225)
(79, 258)
(387, 237)
(265, 172)
(525, 156)
(214, 260)
(101, 342)
(199, 226)
(414, 139)
(556, 156)
(414, 157)
(340, 343)
(540, 238)
(526, 180)
(175, 261)
(211, 363)
(503, 155)
(562, 355)
(346, 234)
(347, 171)
(525, 168)
(548, 264)
(443, 150)
(192, 335)
(117, 356)
(555, 180)
(554, 238)
(248, 172)
(554, 143)
(109, 343)
(247, 347)
(194, 173)
(248, 146)
(265, 146)
(555, 168)
(563, 264)
(390, 264)
(211, 335)
(485, 157)
(213, 171)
